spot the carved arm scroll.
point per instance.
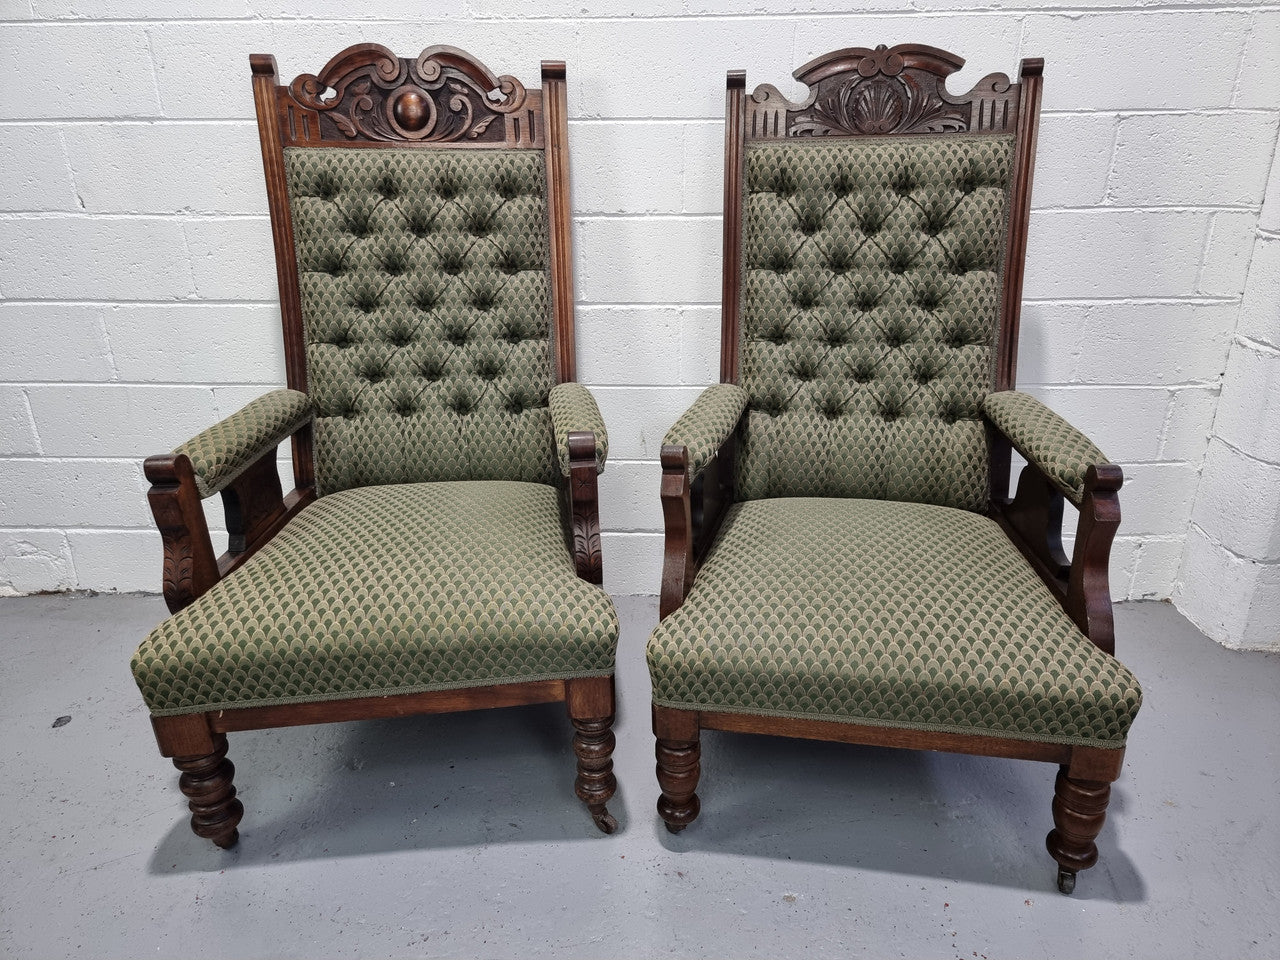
(697, 485)
(237, 459)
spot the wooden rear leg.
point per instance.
(591, 708)
(679, 753)
(207, 782)
(1079, 810)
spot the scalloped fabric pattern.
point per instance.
(383, 590)
(220, 454)
(872, 270)
(893, 614)
(574, 408)
(426, 300)
(708, 423)
(1061, 451)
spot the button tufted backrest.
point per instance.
(870, 304)
(425, 296)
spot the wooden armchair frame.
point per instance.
(366, 97)
(694, 506)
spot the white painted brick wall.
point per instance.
(1228, 582)
(137, 288)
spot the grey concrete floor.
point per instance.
(460, 835)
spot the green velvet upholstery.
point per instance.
(383, 590)
(892, 614)
(870, 310)
(708, 423)
(574, 409)
(1062, 452)
(426, 301)
(220, 454)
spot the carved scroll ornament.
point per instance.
(367, 93)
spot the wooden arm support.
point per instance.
(692, 510)
(1033, 521)
(584, 506)
(255, 510)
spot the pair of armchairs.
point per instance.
(842, 558)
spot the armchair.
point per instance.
(441, 549)
(843, 561)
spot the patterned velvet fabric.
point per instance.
(893, 614)
(1061, 451)
(706, 425)
(383, 590)
(220, 454)
(871, 295)
(426, 301)
(574, 409)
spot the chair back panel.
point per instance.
(870, 310)
(419, 207)
(425, 300)
(874, 236)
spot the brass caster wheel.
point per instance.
(1066, 880)
(604, 820)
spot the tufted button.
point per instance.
(924, 373)
(400, 337)
(366, 301)
(405, 407)
(771, 404)
(805, 297)
(333, 266)
(488, 368)
(842, 183)
(782, 183)
(326, 187)
(778, 260)
(899, 261)
(341, 339)
(394, 263)
(358, 224)
(831, 407)
(836, 337)
(388, 187)
(419, 225)
(507, 187)
(374, 374)
(509, 262)
(456, 334)
(904, 182)
(514, 405)
(870, 222)
(840, 260)
(866, 299)
(484, 299)
(511, 333)
(447, 188)
(895, 336)
(804, 370)
(461, 405)
(928, 298)
(452, 261)
(431, 370)
(479, 223)
(863, 372)
(348, 413)
(810, 221)
(424, 299)
(778, 335)
(890, 411)
(950, 411)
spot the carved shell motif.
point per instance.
(880, 105)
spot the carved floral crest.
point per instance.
(888, 90)
(443, 95)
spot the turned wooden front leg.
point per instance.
(207, 783)
(593, 743)
(1079, 811)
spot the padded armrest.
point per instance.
(706, 425)
(572, 409)
(220, 454)
(1062, 452)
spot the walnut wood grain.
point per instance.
(1088, 590)
(557, 141)
(190, 567)
(1079, 811)
(207, 782)
(584, 504)
(731, 282)
(678, 750)
(677, 515)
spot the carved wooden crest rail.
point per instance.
(888, 90)
(367, 94)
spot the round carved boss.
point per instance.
(411, 109)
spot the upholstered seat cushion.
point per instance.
(388, 589)
(887, 613)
